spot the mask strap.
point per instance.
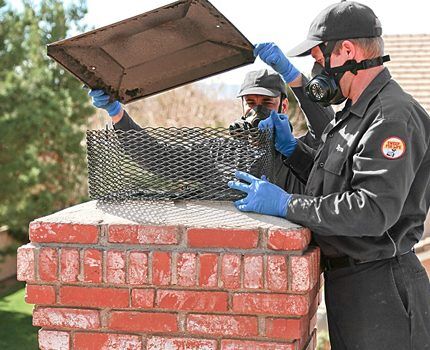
(327, 50)
(280, 103)
(353, 66)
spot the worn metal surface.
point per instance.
(155, 51)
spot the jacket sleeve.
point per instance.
(301, 161)
(202, 163)
(379, 183)
(317, 116)
(126, 123)
(168, 159)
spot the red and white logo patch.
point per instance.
(393, 147)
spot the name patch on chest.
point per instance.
(393, 147)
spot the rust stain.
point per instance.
(168, 47)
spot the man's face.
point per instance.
(271, 103)
(336, 60)
(318, 56)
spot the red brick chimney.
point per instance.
(186, 276)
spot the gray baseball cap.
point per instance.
(343, 20)
(262, 82)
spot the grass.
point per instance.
(16, 330)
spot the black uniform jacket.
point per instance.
(317, 118)
(367, 186)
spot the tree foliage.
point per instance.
(43, 113)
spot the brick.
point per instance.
(297, 239)
(137, 268)
(230, 271)
(48, 264)
(53, 340)
(36, 294)
(123, 234)
(222, 325)
(286, 328)
(192, 300)
(271, 304)
(115, 267)
(314, 303)
(158, 343)
(94, 297)
(254, 345)
(93, 266)
(143, 298)
(26, 263)
(222, 238)
(277, 273)
(186, 269)
(253, 272)
(69, 263)
(143, 321)
(106, 341)
(66, 318)
(208, 272)
(161, 274)
(138, 234)
(48, 232)
(301, 273)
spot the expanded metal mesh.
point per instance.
(174, 163)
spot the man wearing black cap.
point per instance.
(265, 91)
(367, 186)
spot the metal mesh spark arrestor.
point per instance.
(175, 163)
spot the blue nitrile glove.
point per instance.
(263, 197)
(285, 142)
(101, 100)
(272, 55)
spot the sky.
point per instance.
(281, 21)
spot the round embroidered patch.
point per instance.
(393, 147)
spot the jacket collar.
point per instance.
(359, 108)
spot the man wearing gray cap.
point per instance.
(367, 186)
(264, 91)
(260, 90)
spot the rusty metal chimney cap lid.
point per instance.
(173, 45)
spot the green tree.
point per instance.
(43, 114)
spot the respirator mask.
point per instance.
(324, 87)
(250, 119)
(254, 116)
(247, 125)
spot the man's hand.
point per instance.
(262, 197)
(285, 142)
(272, 55)
(100, 99)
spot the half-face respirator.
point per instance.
(324, 87)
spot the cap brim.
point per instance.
(304, 48)
(259, 91)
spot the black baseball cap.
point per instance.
(343, 20)
(262, 82)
